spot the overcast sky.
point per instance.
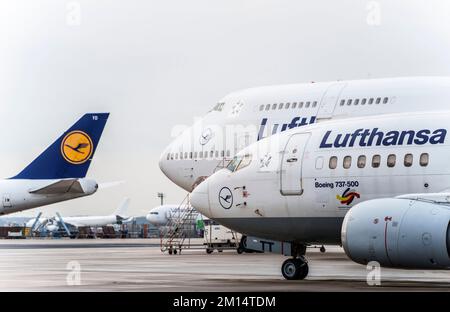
(158, 64)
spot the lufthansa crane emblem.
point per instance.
(226, 198)
(206, 136)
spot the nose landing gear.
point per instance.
(296, 268)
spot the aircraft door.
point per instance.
(291, 164)
(7, 203)
(329, 100)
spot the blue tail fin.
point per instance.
(71, 154)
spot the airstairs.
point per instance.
(179, 230)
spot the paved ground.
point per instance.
(139, 265)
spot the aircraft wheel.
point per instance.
(170, 251)
(240, 250)
(322, 249)
(295, 269)
(175, 251)
(209, 251)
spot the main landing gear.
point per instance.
(297, 267)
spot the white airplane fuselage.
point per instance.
(244, 117)
(161, 215)
(91, 220)
(297, 186)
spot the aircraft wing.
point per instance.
(60, 187)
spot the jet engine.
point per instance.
(400, 233)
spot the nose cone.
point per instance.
(200, 199)
(162, 162)
(153, 219)
(178, 171)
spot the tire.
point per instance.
(295, 269)
(240, 250)
(170, 251)
(209, 251)
(175, 251)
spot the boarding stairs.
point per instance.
(179, 230)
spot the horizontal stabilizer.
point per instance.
(61, 187)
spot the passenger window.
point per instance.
(424, 159)
(294, 105)
(408, 160)
(349, 102)
(314, 104)
(347, 162)
(200, 155)
(370, 101)
(356, 101)
(300, 105)
(217, 154)
(333, 162)
(319, 162)
(261, 107)
(376, 160)
(342, 102)
(287, 105)
(222, 153)
(385, 100)
(280, 106)
(307, 104)
(228, 153)
(361, 161)
(168, 156)
(176, 156)
(391, 160)
(267, 107)
(378, 101)
(274, 106)
(195, 155)
(190, 155)
(185, 155)
(211, 154)
(363, 101)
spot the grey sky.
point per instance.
(157, 64)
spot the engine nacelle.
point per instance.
(398, 233)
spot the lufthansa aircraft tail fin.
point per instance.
(71, 154)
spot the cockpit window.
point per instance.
(239, 162)
(218, 107)
(246, 160)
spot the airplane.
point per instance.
(379, 185)
(59, 173)
(162, 215)
(119, 216)
(244, 117)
